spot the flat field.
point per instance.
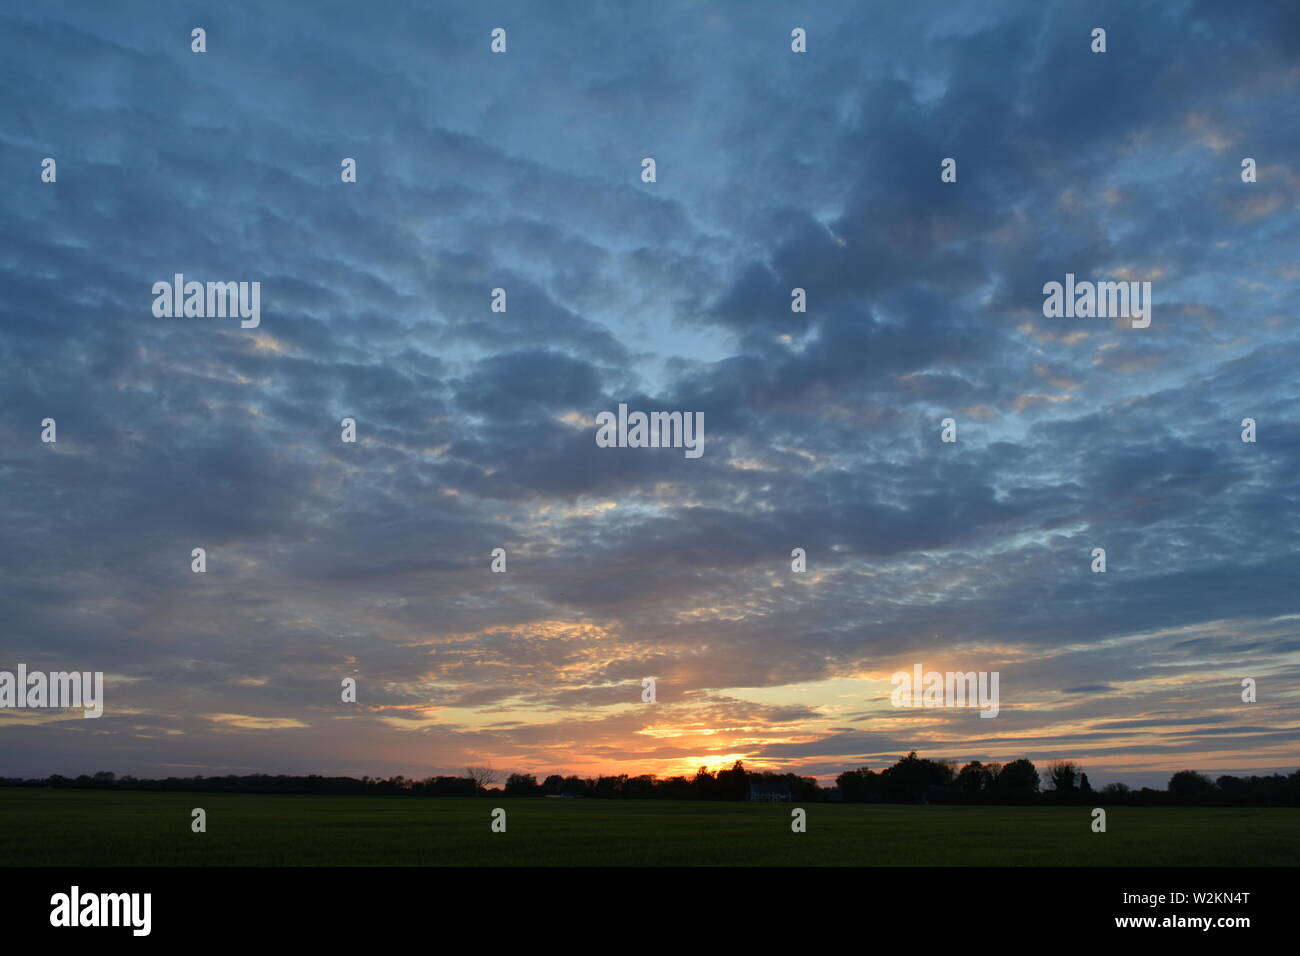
(98, 828)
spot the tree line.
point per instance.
(917, 780)
(912, 779)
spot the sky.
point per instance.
(476, 429)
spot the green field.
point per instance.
(93, 828)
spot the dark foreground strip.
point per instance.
(644, 909)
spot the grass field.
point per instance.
(93, 828)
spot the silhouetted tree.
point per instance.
(483, 777)
(1062, 780)
(860, 786)
(731, 783)
(975, 782)
(1115, 793)
(910, 780)
(1017, 782)
(1188, 786)
(704, 785)
(522, 785)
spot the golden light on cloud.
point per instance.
(265, 343)
(398, 722)
(750, 464)
(246, 722)
(581, 510)
(687, 766)
(578, 420)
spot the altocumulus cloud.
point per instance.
(776, 171)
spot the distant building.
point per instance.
(769, 792)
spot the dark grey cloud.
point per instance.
(476, 428)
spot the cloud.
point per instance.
(329, 560)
